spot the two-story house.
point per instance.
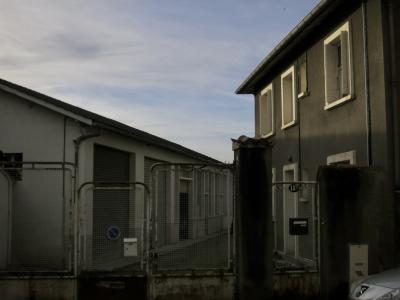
(329, 94)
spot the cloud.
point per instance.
(169, 68)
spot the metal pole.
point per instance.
(253, 218)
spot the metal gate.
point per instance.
(191, 217)
(106, 241)
(295, 213)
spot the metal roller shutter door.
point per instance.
(110, 208)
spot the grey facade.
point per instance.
(362, 128)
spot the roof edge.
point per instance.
(93, 119)
(287, 40)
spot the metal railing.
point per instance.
(109, 214)
(296, 203)
(191, 217)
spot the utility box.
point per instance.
(130, 247)
(358, 259)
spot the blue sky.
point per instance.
(167, 67)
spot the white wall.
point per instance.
(38, 207)
(41, 213)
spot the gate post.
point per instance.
(253, 218)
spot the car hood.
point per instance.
(389, 279)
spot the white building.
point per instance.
(50, 221)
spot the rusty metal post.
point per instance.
(253, 218)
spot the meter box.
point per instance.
(298, 226)
(358, 259)
(130, 247)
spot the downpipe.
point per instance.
(77, 144)
(367, 83)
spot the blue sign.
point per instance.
(113, 232)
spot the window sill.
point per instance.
(303, 95)
(338, 102)
(286, 126)
(268, 135)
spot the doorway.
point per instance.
(289, 209)
(184, 195)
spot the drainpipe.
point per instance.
(366, 83)
(77, 143)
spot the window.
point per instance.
(345, 158)
(338, 67)
(302, 86)
(14, 164)
(288, 98)
(267, 112)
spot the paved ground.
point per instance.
(207, 253)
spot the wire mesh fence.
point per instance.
(36, 215)
(192, 213)
(112, 226)
(295, 224)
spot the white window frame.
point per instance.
(300, 93)
(295, 168)
(271, 114)
(333, 37)
(349, 156)
(290, 71)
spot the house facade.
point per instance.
(75, 186)
(328, 94)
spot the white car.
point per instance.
(382, 286)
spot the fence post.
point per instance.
(253, 218)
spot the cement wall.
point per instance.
(38, 289)
(357, 207)
(296, 285)
(286, 285)
(194, 287)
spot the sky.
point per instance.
(168, 67)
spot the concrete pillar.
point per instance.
(253, 218)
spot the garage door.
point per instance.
(110, 209)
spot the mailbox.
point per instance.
(130, 247)
(298, 226)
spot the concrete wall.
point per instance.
(38, 289)
(296, 285)
(175, 287)
(357, 207)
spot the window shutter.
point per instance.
(330, 70)
(345, 63)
